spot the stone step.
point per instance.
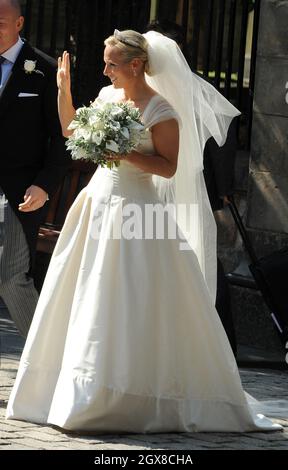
(253, 323)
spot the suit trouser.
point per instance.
(223, 306)
(16, 286)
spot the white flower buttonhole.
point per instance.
(30, 67)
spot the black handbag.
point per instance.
(271, 276)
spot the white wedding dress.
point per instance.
(125, 337)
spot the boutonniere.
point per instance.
(30, 67)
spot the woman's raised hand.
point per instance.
(65, 103)
(63, 73)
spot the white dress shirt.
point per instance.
(10, 58)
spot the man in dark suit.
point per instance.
(33, 159)
(218, 165)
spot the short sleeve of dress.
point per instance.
(159, 110)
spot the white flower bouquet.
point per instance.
(105, 129)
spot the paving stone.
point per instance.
(15, 447)
(41, 436)
(265, 384)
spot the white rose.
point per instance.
(82, 133)
(117, 112)
(93, 118)
(97, 137)
(29, 66)
(80, 154)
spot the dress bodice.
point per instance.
(127, 179)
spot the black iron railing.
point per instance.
(215, 33)
(80, 26)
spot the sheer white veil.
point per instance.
(203, 112)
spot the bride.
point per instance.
(125, 337)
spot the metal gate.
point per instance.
(220, 38)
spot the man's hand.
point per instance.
(34, 198)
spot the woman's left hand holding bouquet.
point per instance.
(112, 160)
(65, 103)
(117, 158)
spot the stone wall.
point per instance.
(261, 179)
(267, 203)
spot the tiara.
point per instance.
(121, 37)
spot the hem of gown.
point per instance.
(107, 410)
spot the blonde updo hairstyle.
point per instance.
(132, 46)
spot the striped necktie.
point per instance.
(2, 59)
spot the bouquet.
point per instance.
(105, 129)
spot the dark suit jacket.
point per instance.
(219, 167)
(32, 149)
